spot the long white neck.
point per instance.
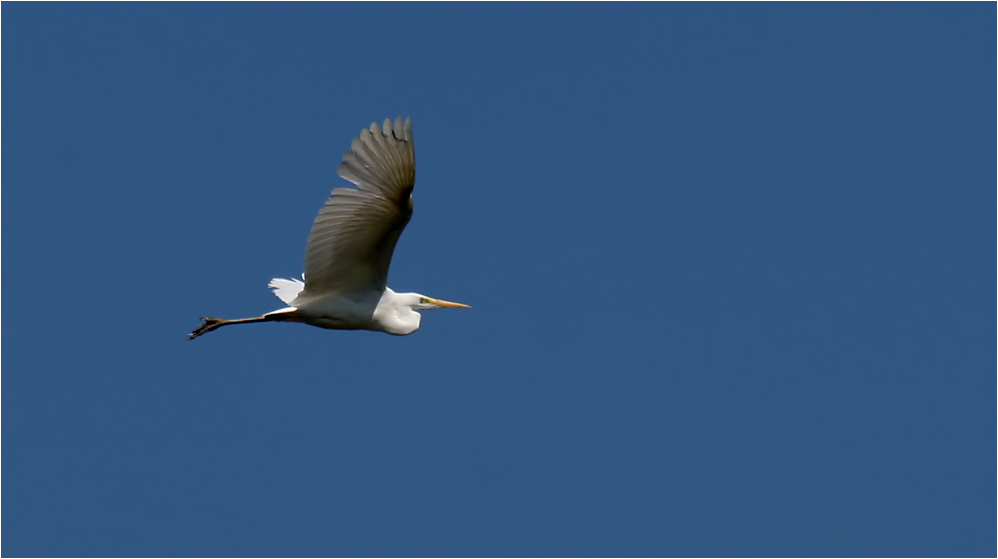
(395, 315)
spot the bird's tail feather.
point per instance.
(286, 289)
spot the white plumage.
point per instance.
(350, 248)
(286, 289)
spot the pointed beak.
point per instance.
(446, 304)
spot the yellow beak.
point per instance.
(446, 304)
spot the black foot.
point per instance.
(208, 325)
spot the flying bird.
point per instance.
(351, 246)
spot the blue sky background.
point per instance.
(732, 269)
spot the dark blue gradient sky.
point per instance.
(732, 269)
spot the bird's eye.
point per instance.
(424, 300)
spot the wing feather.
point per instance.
(354, 236)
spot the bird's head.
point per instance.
(397, 312)
(420, 302)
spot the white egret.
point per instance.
(351, 246)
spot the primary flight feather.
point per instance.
(351, 245)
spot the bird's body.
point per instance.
(351, 246)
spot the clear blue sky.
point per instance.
(732, 269)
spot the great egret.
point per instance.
(351, 246)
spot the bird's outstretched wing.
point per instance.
(354, 236)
